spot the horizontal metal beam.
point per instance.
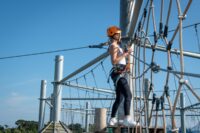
(159, 47)
(97, 98)
(97, 59)
(88, 88)
(88, 98)
(192, 106)
(74, 111)
(173, 51)
(96, 89)
(174, 115)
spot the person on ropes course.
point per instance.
(117, 73)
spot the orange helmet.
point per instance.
(113, 30)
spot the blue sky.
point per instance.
(29, 26)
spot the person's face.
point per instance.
(117, 36)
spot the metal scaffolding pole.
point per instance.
(51, 108)
(42, 105)
(146, 88)
(73, 99)
(182, 112)
(92, 62)
(192, 106)
(134, 18)
(173, 51)
(57, 88)
(127, 25)
(99, 98)
(87, 117)
(89, 88)
(124, 22)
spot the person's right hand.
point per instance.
(126, 54)
(129, 50)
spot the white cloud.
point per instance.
(16, 99)
(18, 106)
(20, 83)
(14, 94)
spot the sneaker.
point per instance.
(113, 121)
(129, 122)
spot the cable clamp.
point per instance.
(155, 68)
(175, 129)
(169, 68)
(151, 87)
(56, 82)
(167, 90)
(182, 81)
(182, 17)
(162, 101)
(157, 104)
(154, 98)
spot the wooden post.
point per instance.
(100, 120)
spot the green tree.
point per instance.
(1, 128)
(91, 127)
(27, 126)
(23, 126)
(76, 128)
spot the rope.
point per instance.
(41, 53)
(140, 94)
(111, 102)
(78, 94)
(167, 20)
(106, 75)
(100, 46)
(95, 85)
(155, 41)
(87, 91)
(198, 42)
(148, 18)
(95, 67)
(140, 76)
(161, 17)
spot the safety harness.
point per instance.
(118, 71)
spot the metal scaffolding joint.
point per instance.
(182, 81)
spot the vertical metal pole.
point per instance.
(124, 19)
(182, 111)
(124, 22)
(42, 105)
(87, 118)
(124, 26)
(57, 88)
(51, 109)
(132, 82)
(146, 88)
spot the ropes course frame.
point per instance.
(144, 87)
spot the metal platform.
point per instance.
(56, 128)
(122, 129)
